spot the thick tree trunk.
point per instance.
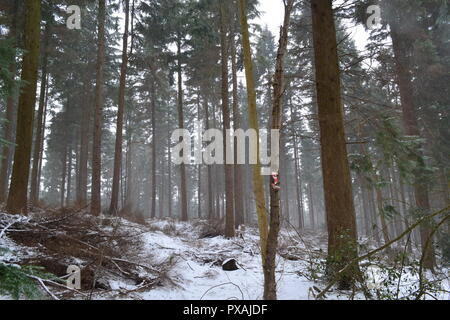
(341, 221)
(17, 200)
(412, 129)
(97, 138)
(113, 208)
(229, 168)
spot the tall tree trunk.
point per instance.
(41, 143)
(154, 147)
(297, 170)
(411, 124)
(341, 220)
(17, 199)
(199, 167)
(312, 218)
(229, 168)
(270, 284)
(96, 201)
(183, 200)
(69, 175)
(238, 168)
(8, 128)
(258, 183)
(169, 167)
(34, 194)
(82, 187)
(209, 168)
(63, 177)
(113, 208)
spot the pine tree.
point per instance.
(17, 200)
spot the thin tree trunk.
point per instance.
(63, 177)
(341, 220)
(41, 143)
(209, 168)
(258, 183)
(69, 176)
(113, 208)
(183, 200)
(96, 206)
(82, 188)
(312, 217)
(34, 194)
(229, 168)
(298, 188)
(169, 168)
(154, 147)
(17, 199)
(270, 284)
(238, 168)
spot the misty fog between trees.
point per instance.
(354, 205)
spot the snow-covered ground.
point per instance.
(194, 266)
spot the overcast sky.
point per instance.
(272, 14)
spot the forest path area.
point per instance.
(158, 260)
(168, 260)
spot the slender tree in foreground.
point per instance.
(17, 199)
(340, 211)
(258, 183)
(270, 284)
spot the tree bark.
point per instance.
(270, 284)
(113, 208)
(34, 194)
(8, 129)
(238, 168)
(229, 168)
(17, 199)
(154, 146)
(411, 124)
(258, 184)
(183, 200)
(341, 221)
(97, 138)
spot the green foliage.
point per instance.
(7, 54)
(399, 280)
(15, 280)
(403, 150)
(389, 212)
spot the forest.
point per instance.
(224, 149)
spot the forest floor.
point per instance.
(169, 260)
